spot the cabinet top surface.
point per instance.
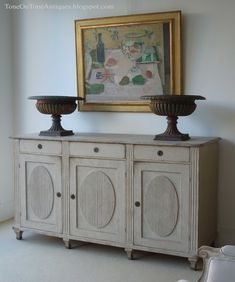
(121, 138)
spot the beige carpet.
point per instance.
(38, 258)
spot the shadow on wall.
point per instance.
(226, 193)
(218, 120)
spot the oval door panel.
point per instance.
(161, 206)
(41, 192)
(97, 199)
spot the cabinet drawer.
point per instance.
(161, 153)
(40, 147)
(97, 150)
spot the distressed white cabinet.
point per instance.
(40, 192)
(161, 212)
(122, 190)
(97, 199)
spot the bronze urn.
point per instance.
(172, 106)
(56, 106)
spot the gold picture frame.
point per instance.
(119, 59)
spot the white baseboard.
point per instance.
(6, 210)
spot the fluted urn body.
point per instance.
(172, 106)
(56, 106)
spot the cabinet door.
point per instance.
(40, 188)
(161, 209)
(97, 199)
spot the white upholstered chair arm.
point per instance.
(228, 250)
(218, 264)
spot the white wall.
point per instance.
(44, 53)
(6, 183)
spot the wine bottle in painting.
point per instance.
(100, 49)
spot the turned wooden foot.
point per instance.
(193, 261)
(18, 233)
(130, 253)
(67, 243)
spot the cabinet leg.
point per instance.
(130, 253)
(193, 262)
(67, 243)
(18, 233)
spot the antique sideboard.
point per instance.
(121, 190)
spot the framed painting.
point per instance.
(119, 59)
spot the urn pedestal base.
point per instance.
(56, 128)
(172, 133)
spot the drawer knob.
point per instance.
(160, 153)
(96, 150)
(39, 146)
(72, 196)
(58, 194)
(137, 204)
